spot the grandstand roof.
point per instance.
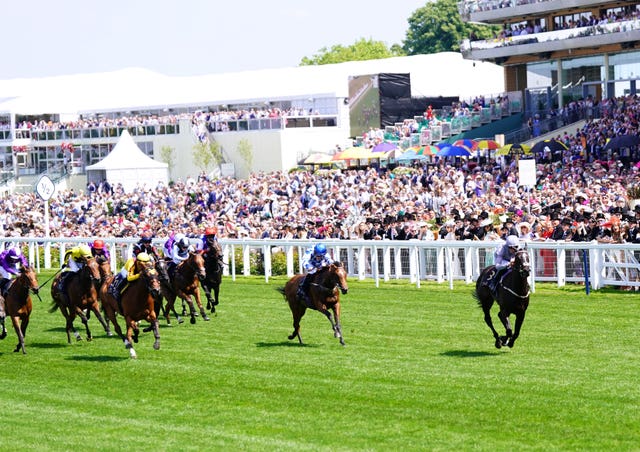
(441, 74)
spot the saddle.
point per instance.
(495, 277)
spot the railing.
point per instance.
(285, 122)
(95, 132)
(383, 260)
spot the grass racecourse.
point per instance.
(419, 372)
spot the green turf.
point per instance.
(419, 372)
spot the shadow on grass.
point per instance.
(282, 344)
(469, 353)
(47, 345)
(98, 359)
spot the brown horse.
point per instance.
(81, 291)
(137, 303)
(186, 283)
(512, 297)
(213, 278)
(324, 292)
(17, 304)
(166, 290)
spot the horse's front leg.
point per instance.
(516, 333)
(203, 313)
(128, 342)
(85, 322)
(192, 311)
(3, 334)
(504, 318)
(337, 328)
(334, 326)
(96, 310)
(19, 332)
(156, 333)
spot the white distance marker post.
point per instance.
(45, 189)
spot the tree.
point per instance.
(245, 151)
(207, 154)
(438, 27)
(167, 156)
(363, 49)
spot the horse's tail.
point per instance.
(476, 297)
(54, 307)
(281, 290)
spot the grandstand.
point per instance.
(61, 125)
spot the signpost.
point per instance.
(45, 188)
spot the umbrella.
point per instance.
(470, 144)
(492, 145)
(514, 149)
(357, 153)
(385, 146)
(410, 154)
(318, 158)
(428, 149)
(553, 145)
(622, 141)
(454, 151)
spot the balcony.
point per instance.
(623, 34)
(499, 11)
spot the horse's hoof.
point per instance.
(109, 334)
(89, 339)
(291, 337)
(184, 312)
(498, 343)
(510, 344)
(147, 329)
(3, 335)
(205, 317)
(156, 346)
(192, 321)
(180, 320)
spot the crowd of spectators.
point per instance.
(580, 194)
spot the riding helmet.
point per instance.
(85, 251)
(98, 244)
(210, 231)
(146, 237)
(143, 257)
(513, 241)
(320, 249)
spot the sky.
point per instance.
(187, 37)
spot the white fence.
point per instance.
(383, 260)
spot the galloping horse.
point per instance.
(82, 292)
(136, 303)
(324, 294)
(213, 278)
(18, 304)
(186, 283)
(512, 296)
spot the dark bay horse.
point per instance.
(324, 292)
(82, 292)
(186, 283)
(512, 297)
(213, 278)
(18, 305)
(137, 302)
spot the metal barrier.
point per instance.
(383, 260)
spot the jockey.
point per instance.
(130, 272)
(100, 251)
(179, 251)
(74, 259)
(314, 259)
(503, 259)
(209, 241)
(145, 245)
(10, 261)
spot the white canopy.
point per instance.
(129, 166)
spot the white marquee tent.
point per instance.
(129, 166)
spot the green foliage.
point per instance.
(437, 27)
(167, 155)
(419, 372)
(245, 151)
(363, 49)
(206, 155)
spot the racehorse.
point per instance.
(137, 302)
(166, 291)
(512, 296)
(18, 306)
(82, 292)
(324, 291)
(213, 278)
(186, 283)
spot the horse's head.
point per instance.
(29, 279)
(151, 278)
(196, 261)
(522, 264)
(92, 270)
(340, 276)
(163, 271)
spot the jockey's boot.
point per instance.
(5, 283)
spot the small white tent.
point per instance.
(126, 164)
